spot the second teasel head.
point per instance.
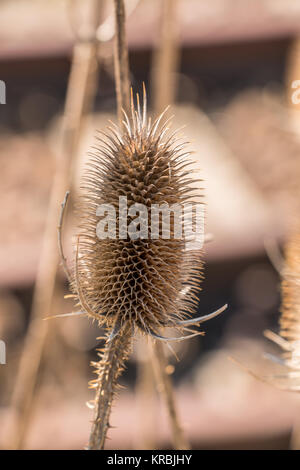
(148, 282)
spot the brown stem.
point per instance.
(165, 64)
(80, 94)
(121, 60)
(165, 386)
(108, 370)
(146, 399)
(166, 58)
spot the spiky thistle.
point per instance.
(128, 283)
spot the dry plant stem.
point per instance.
(146, 399)
(108, 370)
(121, 60)
(165, 387)
(165, 63)
(80, 93)
(290, 311)
(166, 58)
(292, 74)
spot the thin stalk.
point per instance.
(146, 398)
(164, 85)
(108, 369)
(121, 60)
(80, 95)
(165, 387)
(166, 58)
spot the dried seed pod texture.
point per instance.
(148, 283)
(289, 334)
(290, 309)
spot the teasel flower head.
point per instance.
(146, 282)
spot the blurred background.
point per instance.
(230, 82)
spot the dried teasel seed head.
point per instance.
(146, 282)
